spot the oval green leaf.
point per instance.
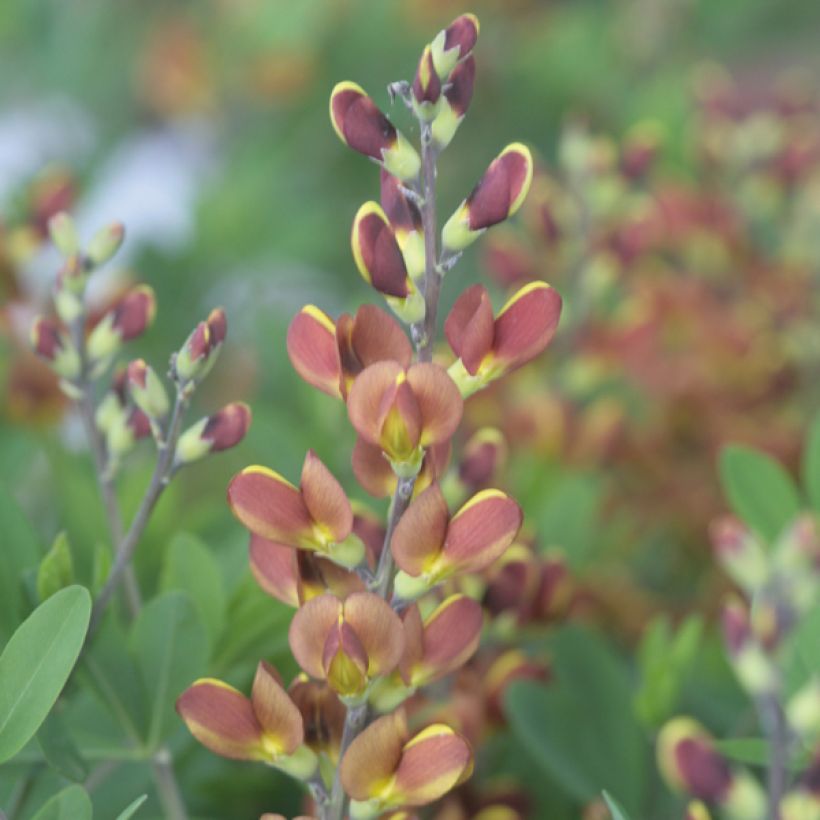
(36, 664)
(72, 803)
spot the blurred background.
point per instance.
(676, 209)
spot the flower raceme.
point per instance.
(489, 347)
(347, 642)
(496, 197)
(404, 411)
(364, 128)
(266, 727)
(330, 355)
(386, 768)
(315, 516)
(429, 545)
(381, 263)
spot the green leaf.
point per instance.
(811, 464)
(801, 655)
(59, 750)
(72, 803)
(100, 567)
(131, 809)
(190, 567)
(758, 489)
(36, 664)
(170, 645)
(615, 809)
(56, 570)
(754, 751)
(20, 551)
(592, 741)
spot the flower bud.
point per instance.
(104, 244)
(64, 234)
(803, 711)
(696, 810)
(497, 196)
(128, 319)
(483, 453)
(215, 433)
(147, 390)
(405, 220)
(454, 43)
(740, 553)
(803, 801)
(753, 667)
(125, 429)
(364, 128)
(458, 93)
(426, 87)
(52, 345)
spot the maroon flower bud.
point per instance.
(454, 43)
(129, 319)
(220, 431)
(458, 92)
(50, 344)
(426, 87)
(483, 453)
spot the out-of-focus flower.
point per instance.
(802, 802)
(496, 197)
(386, 768)
(458, 93)
(487, 347)
(198, 355)
(330, 356)
(429, 545)
(740, 553)
(146, 390)
(347, 643)
(752, 664)
(126, 321)
(52, 345)
(364, 128)
(404, 411)
(315, 516)
(221, 431)
(268, 727)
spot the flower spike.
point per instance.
(364, 128)
(496, 197)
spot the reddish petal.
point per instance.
(325, 499)
(378, 628)
(526, 324)
(313, 350)
(481, 531)
(358, 121)
(226, 428)
(309, 630)
(270, 506)
(460, 90)
(378, 337)
(371, 397)
(221, 719)
(134, 312)
(482, 455)
(275, 569)
(373, 470)
(500, 192)
(275, 711)
(377, 253)
(413, 642)
(419, 536)
(372, 758)
(439, 401)
(402, 212)
(323, 715)
(451, 636)
(470, 326)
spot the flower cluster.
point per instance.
(383, 611)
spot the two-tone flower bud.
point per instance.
(386, 768)
(213, 434)
(121, 423)
(753, 665)
(127, 320)
(267, 727)
(198, 355)
(429, 545)
(364, 128)
(458, 93)
(490, 347)
(348, 643)
(147, 390)
(405, 219)
(50, 343)
(404, 412)
(426, 88)
(690, 764)
(740, 553)
(497, 196)
(315, 516)
(380, 261)
(330, 355)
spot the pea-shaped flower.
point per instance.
(330, 355)
(386, 768)
(404, 412)
(496, 197)
(381, 262)
(489, 347)
(347, 643)
(315, 516)
(374, 473)
(266, 727)
(364, 128)
(429, 545)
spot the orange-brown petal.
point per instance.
(313, 350)
(439, 401)
(481, 531)
(451, 636)
(269, 505)
(419, 536)
(377, 253)
(378, 628)
(378, 337)
(325, 499)
(323, 714)
(371, 397)
(276, 712)
(470, 327)
(274, 566)
(372, 758)
(309, 629)
(413, 642)
(372, 469)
